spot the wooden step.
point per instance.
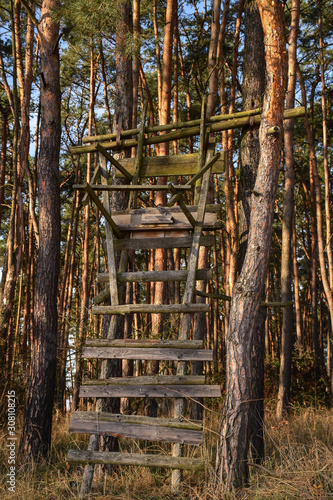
(153, 353)
(150, 391)
(152, 308)
(147, 428)
(146, 343)
(160, 241)
(149, 380)
(162, 461)
(144, 276)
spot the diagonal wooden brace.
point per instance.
(114, 162)
(91, 193)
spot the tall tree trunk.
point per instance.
(287, 225)
(232, 452)
(253, 91)
(36, 434)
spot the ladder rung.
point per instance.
(151, 308)
(150, 391)
(146, 343)
(131, 187)
(164, 242)
(154, 353)
(147, 432)
(105, 416)
(107, 457)
(149, 380)
(139, 276)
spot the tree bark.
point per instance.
(36, 434)
(287, 226)
(232, 454)
(253, 91)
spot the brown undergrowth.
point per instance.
(298, 465)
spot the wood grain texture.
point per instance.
(163, 461)
(151, 308)
(163, 241)
(146, 343)
(140, 276)
(134, 431)
(148, 354)
(150, 391)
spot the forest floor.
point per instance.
(298, 465)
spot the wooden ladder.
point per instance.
(134, 229)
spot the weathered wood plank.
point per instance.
(140, 276)
(146, 343)
(159, 166)
(161, 242)
(104, 457)
(150, 391)
(149, 354)
(192, 208)
(149, 380)
(151, 308)
(137, 222)
(173, 423)
(132, 187)
(129, 430)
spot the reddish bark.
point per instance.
(232, 456)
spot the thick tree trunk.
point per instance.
(232, 453)
(253, 91)
(287, 226)
(36, 434)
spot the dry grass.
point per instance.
(299, 465)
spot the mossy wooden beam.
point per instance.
(189, 131)
(172, 126)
